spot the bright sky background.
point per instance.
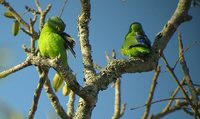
(110, 20)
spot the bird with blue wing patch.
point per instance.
(136, 43)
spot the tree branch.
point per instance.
(84, 110)
(118, 112)
(177, 81)
(151, 93)
(54, 100)
(37, 93)
(186, 49)
(173, 96)
(42, 13)
(179, 105)
(69, 78)
(171, 110)
(14, 69)
(180, 15)
(15, 14)
(187, 76)
(70, 105)
(19, 18)
(33, 39)
(83, 33)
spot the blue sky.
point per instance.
(109, 24)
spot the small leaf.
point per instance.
(9, 14)
(15, 28)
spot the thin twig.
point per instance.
(54, 100)
(160, 115)
(151, 93)
(33, 39)
(14, 13)
(20, 19)
(173, 96)
(107, 57)
(31, 10)
(43, 16)
(30, 31)
(188, 111)
(18, 67)
(37, 93)
(42, 13)
(38, 6)
(198, 85)
(63, 8)
(188, 77)
(118, 112)
(189, 47)
(123, 108)
(158, 101)
(179, 105)
(117, 106)
(97, 67)
(177, 81)
(26, 31)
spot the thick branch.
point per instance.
(69, 78)
(84, 110)
(83, 22)
(180, 15)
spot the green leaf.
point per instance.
(9, 15)
(15, 28)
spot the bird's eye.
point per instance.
(58, 28)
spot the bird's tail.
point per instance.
(58, 83)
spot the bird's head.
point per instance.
(136, 27)
(56, 23)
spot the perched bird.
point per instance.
(53, 42)
(136, 44)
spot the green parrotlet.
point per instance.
(53, 42)
(136, 43)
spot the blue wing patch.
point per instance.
(141, 39)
